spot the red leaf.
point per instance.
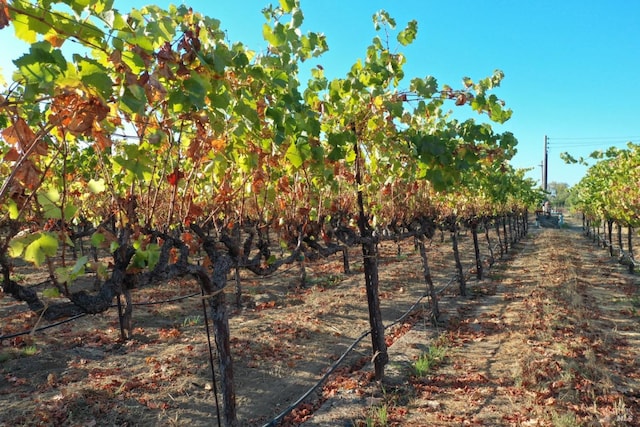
(174, 177)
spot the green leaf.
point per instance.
(135, 161)
(197, 88)
(17, 245)
(13, 209)
(408, 35)
(48, 199)
(424, 87)
(94, 76)
(153, 255)
(45, 245)
(274, 36)
(79, 266)
(298, 152)
(51, 292)
(287, 5)
(147, 257)
(317, 153)
(97, 239)
(42, 64)
(134, 100)
(97, 186)
(297, 18)
(134, 61)
(69, 211)
(31, 22)
(178, 101)
(103, 6)
(143, 41)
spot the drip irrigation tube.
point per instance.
(77, 316)
(42, 328)
(335, 365)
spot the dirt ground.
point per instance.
(548, 337)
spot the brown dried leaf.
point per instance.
(28, 174)
(102, 140)
(154, 90)
(20, 134)
(77, 114)
(80, 123)
(12, 155)
(4, 14)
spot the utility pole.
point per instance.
(545, 163)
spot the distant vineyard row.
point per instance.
(609, 194)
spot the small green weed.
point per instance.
(378, 416)
(427, 361)
(565, 420)
(325, 282)
(17, 277)
(30, 350)
(192, 321)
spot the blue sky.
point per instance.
(571, 67)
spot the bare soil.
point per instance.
(550, 336)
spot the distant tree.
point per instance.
(558, 194)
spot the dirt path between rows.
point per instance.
(550, 338)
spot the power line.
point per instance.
(581, 138)
(591, 144)
(580, 142)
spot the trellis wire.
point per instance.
(77, 316)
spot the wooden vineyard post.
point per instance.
(456, 255)
(370, 262)
(619, 227)
(492, 257)
(610, 230)
(476, 247)
(496, 222)
(630, 246)
(512, 232)
(435, 310)
(504, 234)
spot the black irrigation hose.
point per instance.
(77, 316)
(301, 399)
(335, 365)
(180, 298)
